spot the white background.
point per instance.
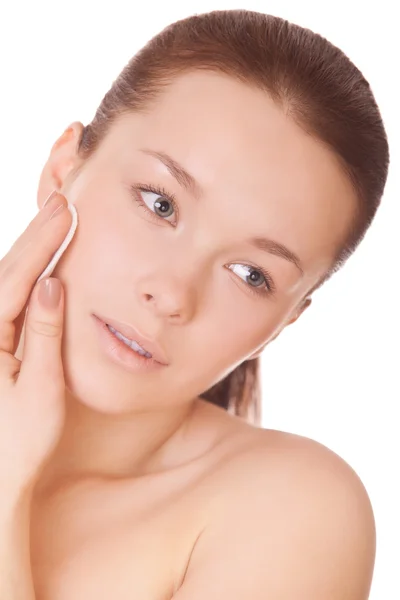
(333, 375)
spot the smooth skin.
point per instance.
(137, 487)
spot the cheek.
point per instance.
(234, 336)
(216, 343)
(228, 330)
(107, 247)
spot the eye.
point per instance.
(258, 281)
(157, 202)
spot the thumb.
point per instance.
(41, 369)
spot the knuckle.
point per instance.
(45, 328)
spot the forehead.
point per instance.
(240, 145)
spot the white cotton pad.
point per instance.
(56, 257)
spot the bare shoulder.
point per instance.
(283, 460)
(277, 460)
(299, 514)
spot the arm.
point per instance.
(299, 527)
(15, 569)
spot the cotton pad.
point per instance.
(56, 257)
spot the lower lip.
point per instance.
(121, 354)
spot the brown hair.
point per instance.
(308, 77)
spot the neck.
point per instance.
(105, 446)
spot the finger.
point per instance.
(41, 371)
(19, 272)
(20, 320)
(40, 219)
(18, 325)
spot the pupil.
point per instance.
(163, 206)
(255, 276)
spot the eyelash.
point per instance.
(160, 191)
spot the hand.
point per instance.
(32, 391)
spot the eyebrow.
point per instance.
(181, 175)
(187, 180)
(277, 249)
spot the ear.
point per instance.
(299, 311)
(62, 163)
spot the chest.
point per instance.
(119, 541)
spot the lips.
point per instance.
(130, 332)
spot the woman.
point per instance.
(234, 165)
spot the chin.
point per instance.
(104, 387)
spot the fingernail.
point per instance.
(50, 293)
(57, 211)
(49, 197)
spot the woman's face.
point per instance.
(181, 275)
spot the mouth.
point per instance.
(130, 343)
(135, 340)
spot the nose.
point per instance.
(169, 297)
